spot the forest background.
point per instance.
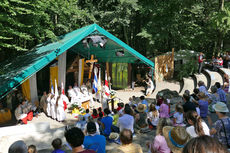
(151, 27)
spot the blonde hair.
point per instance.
(161, 124)
(179, 108)
(153, 109)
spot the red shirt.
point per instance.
(119, 108)
(159, 102)
(200, 58)
(95, 116)
(102, 113)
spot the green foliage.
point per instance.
(150, 27)
(188, 67)
(25, 23)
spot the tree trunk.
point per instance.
(126, 35)
(220, 34)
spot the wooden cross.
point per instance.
(91, 61)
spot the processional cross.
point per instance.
(91, 61)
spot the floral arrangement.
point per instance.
(76, 110)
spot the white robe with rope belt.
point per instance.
(60, 110)
(48, 109)
(53, 108)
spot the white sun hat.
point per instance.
(220, 107)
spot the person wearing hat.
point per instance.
(176, 138)
(221, 128)
(141, 119)
(94, 141)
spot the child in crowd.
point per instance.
(100, 110)
(121, 109)
(32, 149)
(160, 100)
(95, 114)
(178, 118)
(91, 119)
(153, 116)
(57, 144)
(164, 109)
(106, 123)
(159, 143)
(115, 117)
(81, 123)
(144, 101)
(87, 114)
(130, 101)
(100, 116)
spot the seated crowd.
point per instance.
(188, 129)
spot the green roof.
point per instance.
(14, 72)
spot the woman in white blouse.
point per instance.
(198, 126)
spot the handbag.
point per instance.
(228, 145)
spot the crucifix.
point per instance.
(91, 61)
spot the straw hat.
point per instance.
(141, 108)
(220, 107)
(113, 136)
(176, 138)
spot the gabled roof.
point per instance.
(13, 73)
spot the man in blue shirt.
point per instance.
(221, 93)
(106, 123)
(94, 141)
(143, 101)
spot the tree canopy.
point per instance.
(150, 26)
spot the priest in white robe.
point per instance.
(71, 94)
(53, 108)
(48, 109)
(60, 109)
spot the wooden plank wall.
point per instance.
(164, 67)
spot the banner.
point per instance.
(26, 89)
(95, 83)
(53, 74)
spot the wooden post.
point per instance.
(107, 69)
(91, 61)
